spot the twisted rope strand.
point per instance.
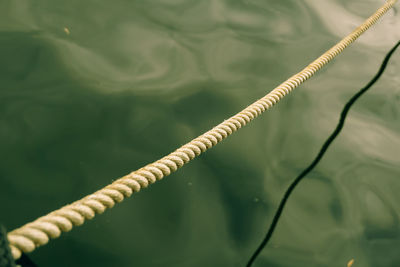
(37, 233)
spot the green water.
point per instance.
(130, 81)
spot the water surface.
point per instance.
(91, 90)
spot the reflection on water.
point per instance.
(133, 80)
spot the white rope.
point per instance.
(37, 233)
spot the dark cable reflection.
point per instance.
(321, 153)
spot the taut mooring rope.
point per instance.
(37, 233)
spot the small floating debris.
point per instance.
(350, 263)
(66, 30)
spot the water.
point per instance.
(93, 90)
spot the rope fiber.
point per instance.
(319, 156)
(37, 233)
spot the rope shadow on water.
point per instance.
(321, 153)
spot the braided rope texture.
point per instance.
(37, 233)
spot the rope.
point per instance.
(37, 233)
